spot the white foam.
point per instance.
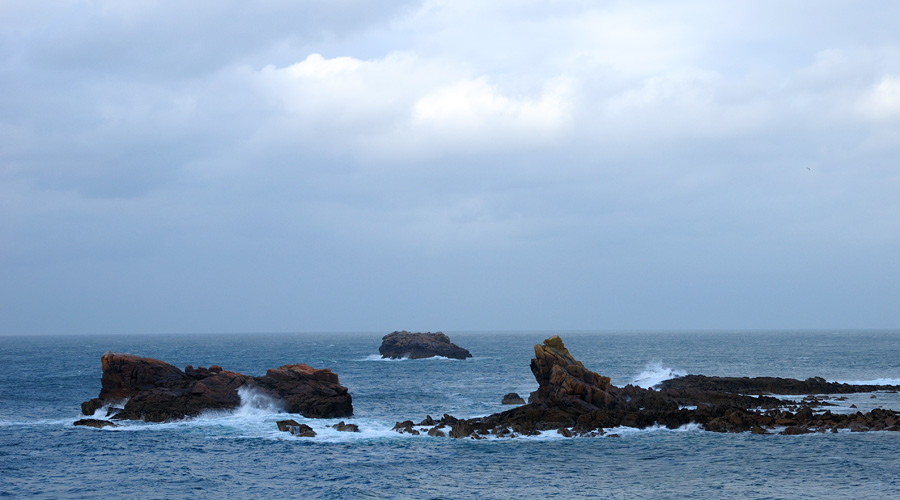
(622, 430)
(37, 422)
(654, 374)
(101, 413)
(254, 401)
(377, 357)
(877, 381)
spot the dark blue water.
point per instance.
(44, 379)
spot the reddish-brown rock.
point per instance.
(157, 391)
(561, 378)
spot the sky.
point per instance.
(455, 165)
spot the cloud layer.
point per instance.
(285, 166)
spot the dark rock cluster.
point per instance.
(576, 401)
(156, 391)
(570, 399)
(398, 345)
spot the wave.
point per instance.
(377, 357)
(654, 374)
(877, 381)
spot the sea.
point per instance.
(241, 454)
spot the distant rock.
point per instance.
(157, 391)
(512, 399)
(398, 345)
(95, 423)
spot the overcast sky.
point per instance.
(345, 165)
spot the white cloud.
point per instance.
(475, 112)
(405, 106)
(882, 101)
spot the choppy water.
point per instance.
(241, 454)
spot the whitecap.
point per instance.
(377, 357)
(877, 381)
(654, 374)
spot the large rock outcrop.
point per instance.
(157, 391)
(398, 345)
(576, 401)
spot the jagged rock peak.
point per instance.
(560, 377)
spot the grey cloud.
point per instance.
(176, 39)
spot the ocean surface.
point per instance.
(241, 454)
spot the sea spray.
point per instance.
(254, 401)
(654, 374)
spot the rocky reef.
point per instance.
(398, 345)
(576, 401)
(156, 391)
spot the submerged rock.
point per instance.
(295, 428)
(95, 423)
(342, 427)
(157, 391)
(398, 345)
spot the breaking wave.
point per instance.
(377, 357)
(877, 381)
(255, 401)
(654, 374)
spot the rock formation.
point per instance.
(95, 423)
(576, 401)
(398, 345)
(343, 427)
(512, 399)
(157, 391)
(295, 428)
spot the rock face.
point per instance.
(157, 391)
(398, 345)
(564, 381)
(576, 401)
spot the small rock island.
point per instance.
(156, 391)
(403, 344)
